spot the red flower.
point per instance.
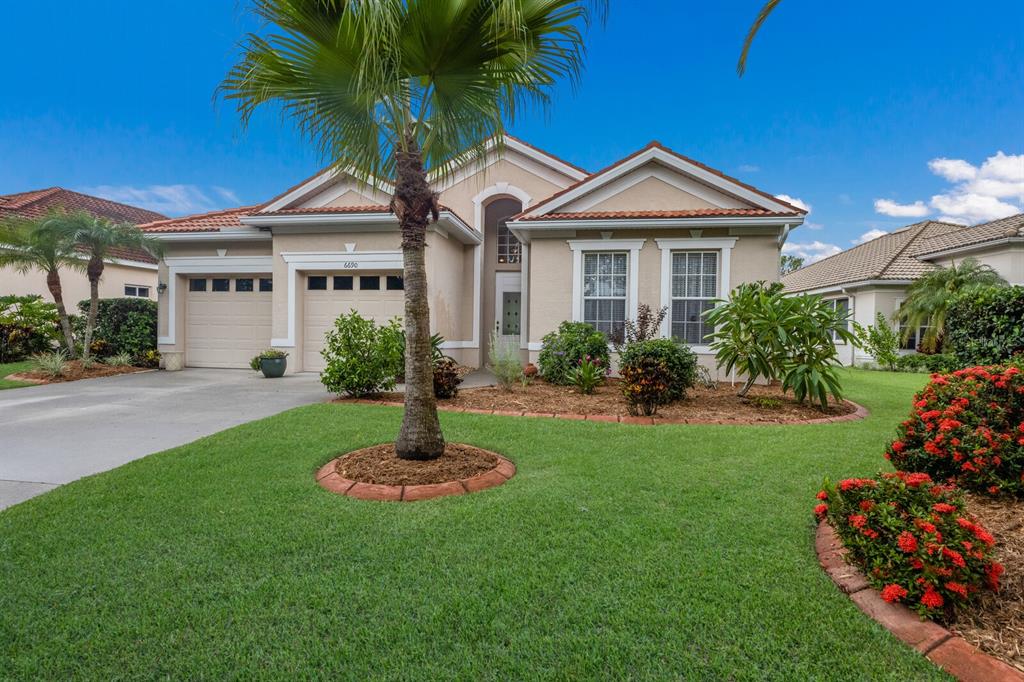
(869, 533)
(867, 505)
(993, 572)
(958, 588)
(821, 510)
(943, 508)
(893, 592)
(932, 599)
(956, 557)
(822, 495)
(857, 520)
(907, 542)
(916, 479)
(898, 446)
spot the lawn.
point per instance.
(616, 551)
(7, 368)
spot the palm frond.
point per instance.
(762, 16)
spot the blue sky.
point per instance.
(876, 114)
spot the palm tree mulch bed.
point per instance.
(74, 371)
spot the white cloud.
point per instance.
(869, 235)
(800, 203)
(167, 199)
(914, 210)
(749, 168)
(970, 207)
(954, 170)
(810, 251)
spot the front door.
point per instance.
(508, 305)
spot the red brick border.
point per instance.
(950, 652)
(860, 412)
(329, 479)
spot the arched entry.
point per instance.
(502, 303)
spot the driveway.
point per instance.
(54, 434)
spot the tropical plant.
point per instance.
(928, 299)
(28, 325)
(362, 357)
(986, 325)
(645, 384)
(647, 325)
(446, 378)
(151, 358)
(562, 350)
(43, 244)
(119, 360)
(680, 364)
(503, 354)
(788, 263)
(124, 325)
(588, 375)
(388, 90)
(880, 340)
(53, 364)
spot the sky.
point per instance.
(873, 114)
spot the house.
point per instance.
(873, 277)
(131, 273)
(524, 241)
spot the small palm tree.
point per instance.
(101, 239)
(45, 245)
(391, 89)
(929, 297)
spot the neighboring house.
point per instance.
(873, 277)
(524, 241)
(131, 273)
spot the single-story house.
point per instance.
(131, 273)
(524, 241)
(873, 277)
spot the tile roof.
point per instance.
(366, 208)
(1012, 226)
(689, 213)
(887, 257)
(36, 203)
(202, 222)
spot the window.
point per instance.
(136, 291)
(843, 306)
(266, 284)
(694, 288)
(509, 248)
(197, 285)
(915, 337)
(605, 278)
(316, 283)
(243, 284)
(395, 283)
(343, 283)
(221, 284)
(369, 283)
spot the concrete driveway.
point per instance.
(54, 434)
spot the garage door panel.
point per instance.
(226, 328)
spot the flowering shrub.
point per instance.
(912, 539)
(562, 350)
(967, 427)
(588, 374)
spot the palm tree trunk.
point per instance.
(414, 203)
(95, 271)
(56, 290)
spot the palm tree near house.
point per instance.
(394, 89)
(45, 245)
(101, 239)
(929, 297)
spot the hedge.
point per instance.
(123, 325)
(986, 326)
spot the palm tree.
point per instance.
(101, 239)
(390, 89)
(929, 297)
(43, 244)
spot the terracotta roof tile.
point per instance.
(691, 213)
(202, 222)
(1012, 226)
(367, 208)
(36, 203)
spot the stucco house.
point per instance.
(873, 277)
(524, 241)
(131, 273)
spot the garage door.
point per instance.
(227, 320)
(377, 296)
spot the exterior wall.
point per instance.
(446, 289)
(76, 284)
(865, 304)
(651, 194)
(1006, 259)
(539, 183)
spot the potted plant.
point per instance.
(271, 362)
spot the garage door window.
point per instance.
(318, 283)
(343, 283)
(243, 284)
(369, 283)
(221, 284)
(395, 283)
(266, 284)
(197, 285)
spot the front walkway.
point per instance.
(54, 434)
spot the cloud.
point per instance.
(749, 168)
(869, 235)
(810, 251)
(914, 210)
(167, 199)
(800, 203)
(993, 190)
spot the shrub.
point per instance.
(151, 358)
(645, 384)
(446, 378)
(881, 341)
(562, 350)
(53, 364)
(270, 353)
(932, 364)
(986, 326)
(503, 354)
(127, 325)
(588, 375)
(967, 427)
(362, 358)
(647, 325)
(912, 538)
(119, 360)
(28, 325)
(680, 363)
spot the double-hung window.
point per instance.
(605, 283)
(843, 306)
(694, 289)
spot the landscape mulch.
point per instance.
(74, 371)
(379, 464)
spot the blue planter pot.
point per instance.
(273, 368)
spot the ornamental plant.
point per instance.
(446, 378)
(913, 539)
(967, 427)
(362, 357)
(588, 375)
(645, 385)
(680, 363)
(984, 326)
(28, 325)
(881, 341)
(562, 350)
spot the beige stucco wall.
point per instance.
(1006, 259)
(76, 285)
(459, 197)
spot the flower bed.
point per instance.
(74, 371)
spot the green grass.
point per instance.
(8, 368)
(617, 551)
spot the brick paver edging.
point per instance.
(950, 652)
(329, 479)
(860, 413)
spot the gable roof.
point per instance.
(201, 222)
(889, 257)
(681, 213)
(994, 231)
(655, 151)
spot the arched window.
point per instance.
(509, 248)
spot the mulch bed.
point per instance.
(701, 404)
(995, 622)
(379, 464)
(74, 372)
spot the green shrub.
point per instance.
(645, 384)
(127, 325)
(932, 364)
(562, 350)
(119, 360)
(362, 358)
(270, 353)
(680, 363)
(588, 375)
(503, 355)
(986, 326)
(446, 378)
(881, 341)
(28, 325)
(151, 358)
(53, 364)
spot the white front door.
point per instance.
(508, 305)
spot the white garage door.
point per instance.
(328, 295)
(227, 320)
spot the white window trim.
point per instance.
(724, 246)
(147, 287)
(849, 312)
(580, 246)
